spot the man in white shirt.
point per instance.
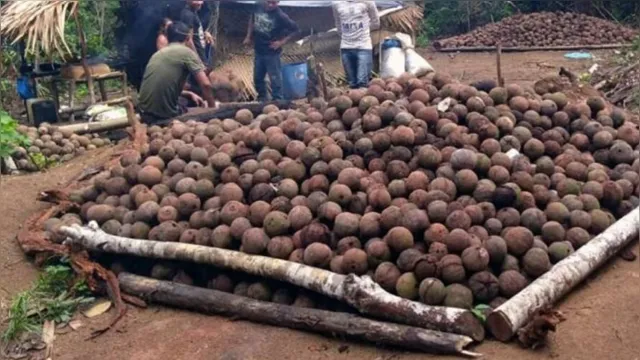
(354, 21)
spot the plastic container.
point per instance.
(391, 43)
(294, 80)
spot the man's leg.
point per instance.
(274, 68)
(365, 66)
(259, 72)
(349, 67)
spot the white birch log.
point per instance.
(319, 321)
(360, 292)
(9, 164)
(505, 321)
(96, 126)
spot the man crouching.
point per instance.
(165, 77)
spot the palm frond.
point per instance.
(406, 20)
(40, 23)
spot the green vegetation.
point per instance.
(55, 296)
(10, 138)
(99, 21)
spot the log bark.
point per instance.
(505, 321)
(97, 126)
(313, 320)
(361, 293)
(438, 48)
(9, 164)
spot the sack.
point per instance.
(416, 64)
(23, 86)
(392, 62)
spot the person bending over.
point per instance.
(354, 21)
(165, 77)
(269, 28)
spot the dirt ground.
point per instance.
(523, 68)
(603, 317)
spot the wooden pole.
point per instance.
(361, 293)
(83, 49)
(96, 126)
(499, 65)
(505, 321)
(313, 320)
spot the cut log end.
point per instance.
(473, 326)
(500, 326)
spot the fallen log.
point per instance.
(314, 320)
(361, 293)
(96, 126)
(505, 321)
(9, 165)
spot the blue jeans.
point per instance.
(268, 64)
(358, 64)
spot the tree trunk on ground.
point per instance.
(505, 321)
(360, 292)
(97, 126)
(319, 321)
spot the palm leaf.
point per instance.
(406, 20)
(40, 23)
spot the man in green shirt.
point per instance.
(165, 77)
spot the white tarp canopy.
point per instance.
(320, 3)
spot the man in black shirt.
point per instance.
(189, 15)
(269, 28)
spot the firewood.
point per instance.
(361, 293)
(505, 321)
(313, 320)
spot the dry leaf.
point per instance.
(75, 324)
(98, 309)
(48, 335)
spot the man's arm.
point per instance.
(207, 90)
(291, 27)
(374, 18)
(336, 18)
(195, 66)
(247, 39)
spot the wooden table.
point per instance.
(100, 79)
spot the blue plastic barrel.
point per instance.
(294, 80)
(391, 43)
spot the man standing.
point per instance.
(354, 21)
(189, 15)
(165, 77)
(269, 28)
